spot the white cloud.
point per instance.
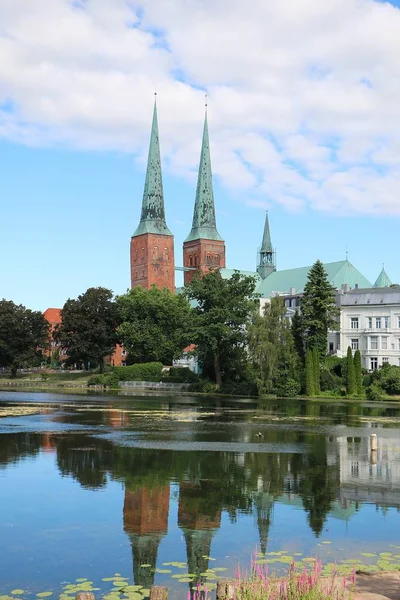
(303, 94)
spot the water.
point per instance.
(91, 486)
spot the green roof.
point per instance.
(266, 244)
(152, 219)
(227, 273)
(383, 280)
(204, 224)
(339, 273)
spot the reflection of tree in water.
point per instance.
(17, 446)
(85, 459)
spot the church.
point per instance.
(152, 252)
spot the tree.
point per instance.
(271, 349)
(154, 324)
(310, 380)
(88, 329)
(23, 336)
(358, 373)
(318, 309)
(350, 374)
(297, 332)
(219, 319)
(316, 371)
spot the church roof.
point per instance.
(383, 280)
(152, 219)
(266, 244)
(204, 224)
(339, 273)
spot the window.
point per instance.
(190, 261)
(369, 322)
(398, 344)
(398, 321)
(373, 363)
(331, 347)
(354, 322)
(378, 322)
(195, 261)
(123, 352)
(385, 360)
(373, 342)
(384, 343)
(354, 344)
(386, 322)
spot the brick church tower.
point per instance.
(152, 244)
(203, 248)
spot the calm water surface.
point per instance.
(91, 486)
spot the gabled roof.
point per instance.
(339, 273)
(383, 280)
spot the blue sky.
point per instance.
(294, 129)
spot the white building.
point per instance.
(370, 322)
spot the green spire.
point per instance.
(266, 262)
(152, 219)
(204, 224)
(383, 280)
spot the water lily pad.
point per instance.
(17, 592)
(44, 594)
(163, 571)
(81, 579)
(185, 580)
(133, 596)
(387, 554)
(108, 578)
(145, 592)
(145, 566)
(326, 542)
(368, 554)
(132, 588)
(220, 569)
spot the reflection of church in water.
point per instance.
(146, 511)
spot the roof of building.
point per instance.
(339, 273)
(266, 244)
(204, 225)
(152, 218)
(53, 315)
(383, 280)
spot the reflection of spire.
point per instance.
(146, 523)
(199, 518)
(264, 504)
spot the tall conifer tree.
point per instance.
(350, 374)
(358, 372)
(316, 371)
(318, 309)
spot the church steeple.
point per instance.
(204, 224)
(204, 248)
(152, 244)
(266, 261)
(383, 279)
(152, 219)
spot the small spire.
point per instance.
(204, 224)
(266, 262)
(266, 245)
(152, 219)
(383, 279)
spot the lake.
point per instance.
(179, 490)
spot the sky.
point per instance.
(304, 120)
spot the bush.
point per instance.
(290, 389)
(374, 392)
(106, 380)
(203, 386)
(182, 375)
(239, 388)
(140, 372)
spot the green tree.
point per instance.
(219, 319)
(24, 334)
(309, 367)
(154, 324)
(318, 309)
(88, 329)
(350, 373)
(297, 332)
(316, 371)
(271, 349)
(358, 372)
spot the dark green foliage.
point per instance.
(154, 324)
(388, 379)
(289, 388)
(181, 375)
(298, 337)
(218, 322)
(318, 309)
(88, 327)
(316, 371)
(335, 365)
(110, 380)
(329, 381)
(271, 348)
(23, 335)
(310, 380)
(239, 388)
(140, 372)
(358, 373)
(374, 392)
(350, 374)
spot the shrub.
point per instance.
(374, 392)
(290, 389)
(239, 388)
(182, 375)
(106, 380)
(140, 372)
(203, 386)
